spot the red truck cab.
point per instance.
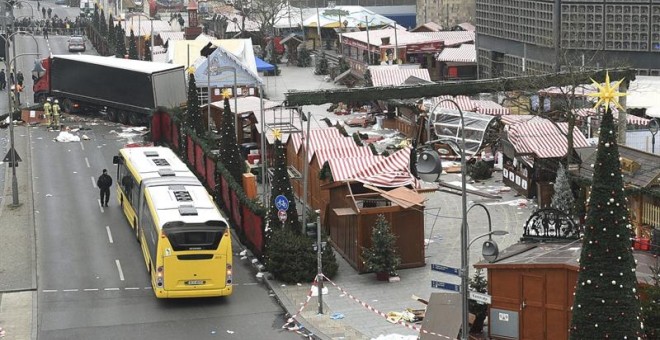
(41, 87)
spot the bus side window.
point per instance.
(127, 184)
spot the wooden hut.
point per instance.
(532, 285)
(641, 176)
(353, 209)
(532, 148)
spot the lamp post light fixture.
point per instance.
(654, 126)
(429, 168)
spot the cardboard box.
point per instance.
(32, 116)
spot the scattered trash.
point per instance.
(230, 332)
(299, 284)
(212, 332)
(337, 316)
(255, 260)
(49, 195)
(243, 257)
(84, 137)
(427, 241)
(64, 137)
(243, 253)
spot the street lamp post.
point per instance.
(653, 128)
(431, 173)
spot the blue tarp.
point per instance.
(263, 66)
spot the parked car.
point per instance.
(76, 44)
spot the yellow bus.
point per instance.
(185, 240)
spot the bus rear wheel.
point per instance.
(134, 119)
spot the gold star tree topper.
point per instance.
(277, 134)
(607, 94)
(226, 94)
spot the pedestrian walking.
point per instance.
(45, 30)
(104, 183)
(12, 81)
(43, 12)
(3, 80)
(20, 78)
(49, 12)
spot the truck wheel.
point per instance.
(134, 119)
(68, 105)
(123, 117)
(112, 116)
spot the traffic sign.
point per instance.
(8, 156)
(282, 215)
(281, 202)
(445, 286)
(446, 270)
(479, 297)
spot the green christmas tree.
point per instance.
(120, 45)
(382, 256)
(132, 47)
(112, 36)
(563, 198)
(103, 27)
(147, 49)
(230, 153)
(478, 284)
(368, 81)
(281, 185)
(322, 67)
(193, 114)
(606, 303)
(304, 57)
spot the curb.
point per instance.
(284, 302)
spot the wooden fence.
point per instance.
(248, 224)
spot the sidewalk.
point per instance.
(18, 261)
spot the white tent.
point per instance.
(347, 17)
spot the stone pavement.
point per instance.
(18, 277)
(442, 234)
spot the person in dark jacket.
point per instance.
(104, 183)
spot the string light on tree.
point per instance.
(606, 259)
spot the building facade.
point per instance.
(401, 11)
(516, 37)
(446, 13)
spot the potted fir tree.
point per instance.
(382, 257)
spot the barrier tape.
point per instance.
(290, 322)
(400, 322)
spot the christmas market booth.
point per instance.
(531, 287)
(641, 176)
(532, 148)
(338, 169)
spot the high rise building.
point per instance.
(515, 37)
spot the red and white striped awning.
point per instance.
(342, 152)
(391, 171)
(318, 139)
(630, 119)
(394, 75)
(543, 138)
(466, 53)
(486, 107)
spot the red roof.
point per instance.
(543, 138)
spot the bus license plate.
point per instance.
(195, 282)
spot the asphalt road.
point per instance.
(92, 280)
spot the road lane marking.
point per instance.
(91, 289)
(111, 289)
(93, 182)
(121, 274)
(82, 145)
(87, 162)
(69, 290)
(132, 288)
(107, 228)
(100, 205)
(49, 291)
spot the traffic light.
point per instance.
(310, 229)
